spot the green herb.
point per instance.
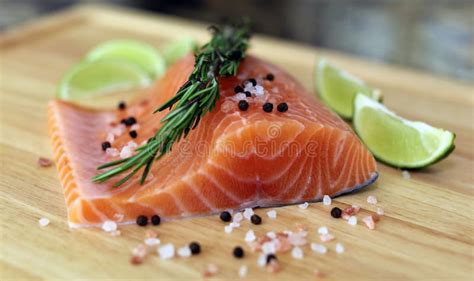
(218, 58)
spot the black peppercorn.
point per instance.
(106, 145)
(336, 212)
(253, 81)
(195, 248)
(267, 107)
(270, 77)
(225, 216)
(133, 134)
(238, 89)
(122, 105)
(256, 219)
(247, 94)
(271, 257)
(282, 107)
(129, 121)
(155, 220)
(142, 220)
(243, 105)
(238, 252)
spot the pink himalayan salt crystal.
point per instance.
(112, 152)
(136, 260)
(297, 239)
(44, 162)
(110, 137)
(273, 266)
(139, 251)
(118, 130)
(372, 200)
(238, 217)
(318, 273)
(135, 127)
(211, 270)
(125, 152)
(326, 237)
(369, 222)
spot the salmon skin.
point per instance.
(232, 160)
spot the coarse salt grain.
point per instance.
(228, 228)
(297, 253)
(112, 152)
(269, 247)
(43, 222)
(352, 220)
(237, 217)
(323, 230)
(304, 205)
(380, 212)
(248, 213)
(369, 222)
(109, 226)
(372, 200)
(258, 90)
(243, 271)
(326, 237)
(132, 144)
(234, 224)
(250, 236)
(240, 96)
(166, 252)
(406, 175)
(152, 241)
(272, 214)
(125, 152)
(262, 260)
(327, 200)
(339, 248)
(184, 252)
(318, 248)
(248, 86)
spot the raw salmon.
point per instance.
(232, 160)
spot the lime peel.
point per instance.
(396, 141)
(337, 88)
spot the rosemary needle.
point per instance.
(219, 57)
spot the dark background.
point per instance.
(435, 36)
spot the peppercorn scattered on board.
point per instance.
(427, 215)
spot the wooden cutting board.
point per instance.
(426, 233)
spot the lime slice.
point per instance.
(337, 88)
(178, 49)
(138, 53)
(88, 80)
(397, 141)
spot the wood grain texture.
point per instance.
(426, 234)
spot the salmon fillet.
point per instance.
(232, 160)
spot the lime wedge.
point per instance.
(337, 88)
(178, 49)
(396, 141)
(141, 54)
(89, 80)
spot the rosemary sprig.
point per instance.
(220, 57)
